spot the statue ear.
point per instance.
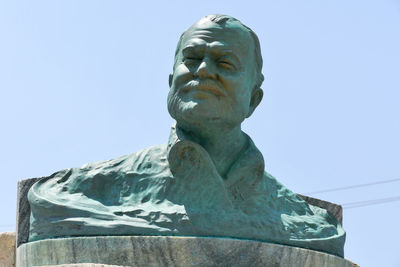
(170, 79)
(256, 98)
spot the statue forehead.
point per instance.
(230, 32)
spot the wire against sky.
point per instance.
(353, 186)
(364, 203)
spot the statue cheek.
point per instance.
(181, 76)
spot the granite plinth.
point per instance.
(169, 251)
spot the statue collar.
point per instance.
(247, 170)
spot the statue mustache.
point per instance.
(206, 85)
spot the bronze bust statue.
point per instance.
(208, 180)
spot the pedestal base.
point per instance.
(169, 251)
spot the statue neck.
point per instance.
(224, 145)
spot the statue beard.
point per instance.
(182, 110)
(195, 113)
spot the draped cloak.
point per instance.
(175, 190)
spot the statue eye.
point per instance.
(191, 59)
(226, 65)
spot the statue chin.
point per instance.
(191, 112)
(195, 113)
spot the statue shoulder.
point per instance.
(287, 200)
(111, 172)
(128, 162)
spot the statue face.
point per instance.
(214, 75)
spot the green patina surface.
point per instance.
(209, 180)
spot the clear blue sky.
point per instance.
(83, 81)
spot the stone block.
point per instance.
(23, 210)
(335, 209)
(7, 249)
(82, 265)
(169, 251)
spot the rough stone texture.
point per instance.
(7, 249)
(82, 265)
(335, 209)
(23, 210)
(170, 251)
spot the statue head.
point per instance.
(217, 75)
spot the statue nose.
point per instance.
(206, 69)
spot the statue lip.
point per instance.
(204, 85)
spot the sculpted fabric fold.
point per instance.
(174, 189)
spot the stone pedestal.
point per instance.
(7, 249)
(82, 265)
(169, 251)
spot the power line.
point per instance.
(353, 186)
(364, 203)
